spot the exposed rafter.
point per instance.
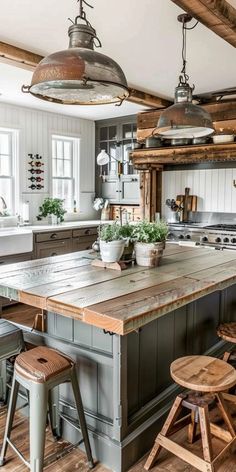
(218, 15)
(28, 60)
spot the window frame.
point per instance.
(75, 140)
(13, 176)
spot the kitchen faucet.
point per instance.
(3, 205)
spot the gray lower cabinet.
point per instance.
(54, 243)
(52, 248)
(125, 382)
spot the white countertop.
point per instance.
(65, 225)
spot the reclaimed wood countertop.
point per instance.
(116, 301)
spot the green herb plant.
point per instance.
(52, 206)
(145, 232)
(110, 232)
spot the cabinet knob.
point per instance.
(53, 254)
(53, 236)
(87, 231)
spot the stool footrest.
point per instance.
(16, 450)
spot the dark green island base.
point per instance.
(124, 379)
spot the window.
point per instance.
(8, 168)
(65, 181)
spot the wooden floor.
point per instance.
(76, 460)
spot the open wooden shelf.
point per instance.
(24, 316)
(192, 154)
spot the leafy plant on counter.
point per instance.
(145, 232)
(110, 232)
(52, 206)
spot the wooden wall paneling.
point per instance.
(148, 368)
(35, 130)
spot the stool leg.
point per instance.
(54, 415)
(80, 409)
(225, 414)
(10, 418)
(226, 356)
(171, 418)
(3, 381)
(38, 417)
(192, 428)
(206, 435)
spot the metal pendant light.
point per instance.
(79, 75)
(184, 119)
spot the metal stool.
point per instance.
(40, 370)
(208, 378)
(11, 344)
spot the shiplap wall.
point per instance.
(35, 130)
(213, 187)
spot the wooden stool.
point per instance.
(227, 331)
(207, 377)
(11, 344)
(40, 370)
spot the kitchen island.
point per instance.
(124, 329)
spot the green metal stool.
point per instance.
(11, 344)
(40, 370)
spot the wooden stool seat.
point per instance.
(41, 363)
(203, 374)
(227, 331)
(208, 378)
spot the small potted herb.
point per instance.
(52, 208)
(127, 235)
(149, 242)
(111, 242)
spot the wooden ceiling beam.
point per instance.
(217, 15)
(29, 60)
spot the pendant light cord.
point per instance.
(184, 78)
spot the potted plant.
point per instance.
(149, 242)
(111, 242)
(52, 207)
(127, 234)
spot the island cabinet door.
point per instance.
(189, 330)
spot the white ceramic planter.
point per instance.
(149, 254)
(111, 251)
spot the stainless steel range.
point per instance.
(220, 236)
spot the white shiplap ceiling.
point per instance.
(144, 37)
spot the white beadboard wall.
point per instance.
(213, 187)
(35, 130)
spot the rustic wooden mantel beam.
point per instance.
(217, 15)
(29, 60)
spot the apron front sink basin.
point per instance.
(15, 241)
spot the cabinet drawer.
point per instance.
(83, 244)
(85, 232)
(15, 258)
(53, 236)
(52, 248)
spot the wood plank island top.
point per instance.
(119, 302)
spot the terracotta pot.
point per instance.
(111, 251)
(149, 254)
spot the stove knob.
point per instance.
(218, 240)
(188, 236)
(233, 240)
(181, 236)
(205, 239)
(226, 240)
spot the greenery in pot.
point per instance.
(149, 242)
(127, 231)
(146, 232)
(111, 242)
(110, 232)
(52, 206)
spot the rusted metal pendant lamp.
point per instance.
(184, 119)
(79, 75)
